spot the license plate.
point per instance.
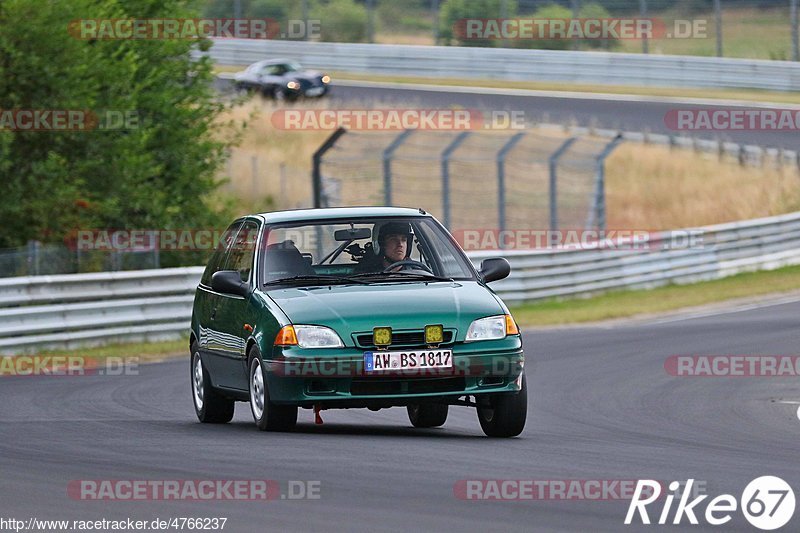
(314, 91)
(421, 359)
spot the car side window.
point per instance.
(217, 260)
(240, 255)
(272, 70)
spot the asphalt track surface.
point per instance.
(601, 406)
(621, 114)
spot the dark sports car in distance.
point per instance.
(282, 79)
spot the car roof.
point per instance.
(300, 215)
(273, 62)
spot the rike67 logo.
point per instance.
(767, 503)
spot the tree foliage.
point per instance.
(158, 172)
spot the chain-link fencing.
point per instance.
(471, 179)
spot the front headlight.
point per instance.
(317, 337)
(293, 85)
(326, 79)
(484, 329)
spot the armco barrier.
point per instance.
(71, 310)
(604, 68)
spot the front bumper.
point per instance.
(336, 377)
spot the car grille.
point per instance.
(402, 339)
(306, 83)
(378, 386)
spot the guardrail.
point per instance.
(70, 310)
(605, 68)
(65, 311)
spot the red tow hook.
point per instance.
(317, 418)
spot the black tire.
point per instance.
(427, 415)
(209, 405)
(267, 415)
(505, 414)
(278, 94)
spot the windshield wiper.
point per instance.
(402, 275)
(315, 277)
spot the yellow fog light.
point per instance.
(382, 336)
(434, 334)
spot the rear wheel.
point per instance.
(267, 415)
(429, 415)
(503, 415)
(209, 405)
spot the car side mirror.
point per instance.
(229, 282)
(495, 268)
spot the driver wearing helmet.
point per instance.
(393, 245)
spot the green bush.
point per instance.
(550, 11)
(594, 10)
(341, 21)
(454, 11)
(158, 172)
(591, 10)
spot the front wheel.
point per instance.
(209, 405)
(503, 415)
(429, 415)
(267, 415)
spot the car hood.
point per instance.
(304, 75)
(359, 308)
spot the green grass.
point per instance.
(750, 33)
(145, 351)
(620, 304)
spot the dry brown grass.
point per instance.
(653, 187)
(270, 162)
(648, 186)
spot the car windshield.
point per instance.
(293, 67)
(362, 251)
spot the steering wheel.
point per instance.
(404, 263)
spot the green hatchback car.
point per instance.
(364, 307)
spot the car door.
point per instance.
(272, 76)
(207, 300)
(231, 313)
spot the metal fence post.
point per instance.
(33, 257)
(435, 12)
(793, 20)
(598, 212)
(370, 21)
(501, 178)
(388, 153)
(575, 6)
(718, 18)
(316, 172)
(446, 174)
(552, 163)
(643, 14)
